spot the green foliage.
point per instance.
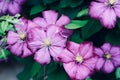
(88, 79)
(35, 69)
(113, 37)
(75, 24)
(3, 54)
(82, 13)
(37, 9)
(117, 73)
(90, 28)
(75, 37)
(25, 74)
(59, 74)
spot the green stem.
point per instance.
(45, 72)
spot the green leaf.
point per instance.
(35, 69)
(90, 28)
(75, 24)
(37, 8)
(117, 73)
(82, 13)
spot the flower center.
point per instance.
(112, 2)
(22, 36)
(79, 59)
(47, 42)
(107, 56)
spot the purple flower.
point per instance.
(109, 57)
(78, 60)
(12, 6)
(18, 40)
(106, 11)
(50, 17)
(46, 43)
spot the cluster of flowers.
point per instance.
(82, 60)
(46, 37)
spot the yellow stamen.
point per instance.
(79, 59)
(47, 42)
(112, 1)
(22, 36)
(107, 56)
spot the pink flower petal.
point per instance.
(108, 18)
(82, 72)
(59, 41)
(108, 66)
(14, 8)
(38, 34)
(50, 16)
(66, 56)
(86, 49)
(31, 25)
(22, 27)
(116, 60)
(42, 56)
(26, 51)
(117, 10)
(71, 69)
(63, 20)
(34, 45)
(16, 49)
(73, 47)
(99, 52)
(55, 52)
(40, 21)
(115, 51)
(51, 31)
(3, 7)
(100, 63)
(66, 32)
(106, 47)
(90, 63)
(12, 37)
(96, 9)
